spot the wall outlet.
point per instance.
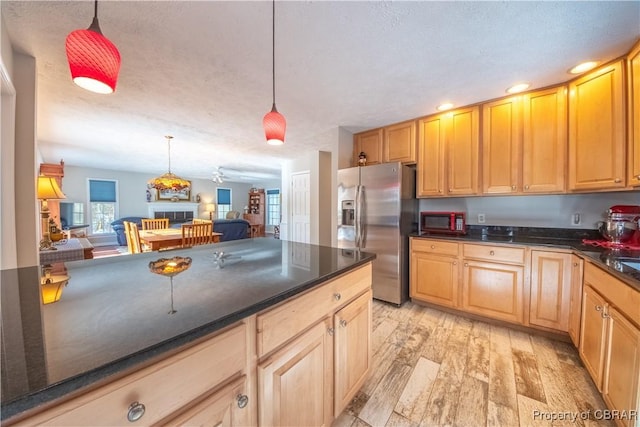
(481, 218)
(576, 219)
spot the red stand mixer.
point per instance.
(622, 225)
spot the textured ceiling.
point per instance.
(201, 71)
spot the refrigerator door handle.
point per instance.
(359, 216)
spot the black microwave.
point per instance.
(442, 223)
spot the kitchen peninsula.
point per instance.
(164, 337)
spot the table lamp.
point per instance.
(48, 189)
(211, 208)
(51, 285)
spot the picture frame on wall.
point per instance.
(180, 195)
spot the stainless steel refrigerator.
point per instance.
(377, 210)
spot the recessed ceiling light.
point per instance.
(585, 66)
(444, 107)
(518, 88)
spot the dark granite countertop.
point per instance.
(613, 260)
(115, 313)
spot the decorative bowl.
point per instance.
(56, 237)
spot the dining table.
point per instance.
(164, 238)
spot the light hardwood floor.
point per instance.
(432, 368)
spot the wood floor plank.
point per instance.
(584, 393)
(472, 402)
(379, 407)
(501, 416)
(520, 341)
(478, 351)
(527, 377)
(412, 348)
(415, 395)
(436, 345)
(343, 420)
(381, 333)
(380, 364)
(531, 412)
(566, 353)
(502, 383)
(397, 420)
(559, 398)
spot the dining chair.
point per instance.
(196, 234)
(155, 224)
(134, 237)
(202, 221)
(127, 235)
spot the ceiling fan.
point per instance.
(218, 176)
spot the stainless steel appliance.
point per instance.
(622, 224)
(377, 211)
(442, 223)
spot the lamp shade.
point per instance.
(48, 189)
(274, 127)
(210, 207)
(93, 60)
(51, 288)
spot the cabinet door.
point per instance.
(370, 143)
(352, 350)
(550, 289)
(430, 167)
(592, 334)
(633, 116)
(597, 130)
(400, 143)
(501, 145)
(226, 407)
(575, 306)
(493, 290)
(544, 141)
(295, 383)
(434, 278)
(462, 151)
(622, 365)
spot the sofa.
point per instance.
(231, 229)
(118, 227)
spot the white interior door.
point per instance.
(301, 207)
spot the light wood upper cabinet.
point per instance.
(544, 141)
(597, 144)
(448, 153)
(400, 143)
(633, 117)
(575, 305)
(550, 289)
(501, 145)
(369, 142)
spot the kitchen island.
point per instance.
(122, 314)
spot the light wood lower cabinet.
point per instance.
(610, 341)
(310, 379)
(294, 384)
(575, 303)
(434, 278)
(550, 289)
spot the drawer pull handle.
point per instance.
(242, 400)
(337, 296)
(526, 187)
(343, 323)
(617, 180)
(513, 187)
(466, 264)
(455, 263)
(136, 411)
(330, 331)
(598, 308)
(605, 315)
(492, 253)
(433, 246)
(637, 176)
(575, 264)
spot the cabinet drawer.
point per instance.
(435, 246)
(618, 293)
(494, 253)
(162, 388)
(284, 322)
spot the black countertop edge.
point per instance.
(61, 389)
(602, 257)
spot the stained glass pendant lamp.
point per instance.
(169, 181)
(273, 122)
(93, 60)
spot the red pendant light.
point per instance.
(273, 122)
(93, 60)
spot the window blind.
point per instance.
(224, 196)
(102, 191)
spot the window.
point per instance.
(223, 197)
(102, 205)
(273, 206)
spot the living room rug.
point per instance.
(107, 251)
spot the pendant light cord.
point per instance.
(95, 10)
(169, 150)
(273, 50)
